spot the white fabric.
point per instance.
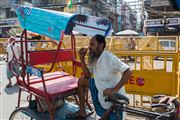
(127, 32)
(107, 73)
(16, 49)
(28, 45)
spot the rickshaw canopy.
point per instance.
(54, 24)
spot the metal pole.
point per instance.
(116, 16)
(178, 83)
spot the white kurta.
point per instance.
(107, 73)
(16, 49)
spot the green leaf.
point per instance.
(70, 4)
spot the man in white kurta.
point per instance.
(107, 71)
(110, 75)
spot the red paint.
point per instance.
(140, 81)
(82, 73)
(131, 80)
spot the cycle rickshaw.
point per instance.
(47, 90)
(44, 87)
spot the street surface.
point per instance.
(9, 96)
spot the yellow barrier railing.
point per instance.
(155, 68)
(145, 80)
(3, 44)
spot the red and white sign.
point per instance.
(140, 81)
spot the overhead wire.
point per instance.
(118, 7)
(161, 13)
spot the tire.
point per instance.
(23, 113)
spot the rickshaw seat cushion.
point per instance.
(47, 76)
(54, 86)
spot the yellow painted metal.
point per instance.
(3, 44)
(159, 76)
(150, 76)
(162, 80)
(178, 85)
(155, 82)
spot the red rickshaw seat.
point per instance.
(47, 76)
(60, 83)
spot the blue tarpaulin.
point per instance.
(53, 24)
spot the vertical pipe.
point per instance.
(134, 100)
(110, 44)
(178, 86)
(174, 72)
(135, 63)
(141, 62)
(19, 98)
(141, 98)
(165, 63)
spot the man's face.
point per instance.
(94, 50)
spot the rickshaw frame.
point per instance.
(49, 85)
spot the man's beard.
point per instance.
(93, 56)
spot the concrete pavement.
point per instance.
(8, 95)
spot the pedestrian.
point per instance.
(13, 52)
(110, 75)
(132, 46)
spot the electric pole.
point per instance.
(116, 15)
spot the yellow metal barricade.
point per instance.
(157, 78)
(150, 75)
(154, 66)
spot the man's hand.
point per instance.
(82, 53)
(109, 91)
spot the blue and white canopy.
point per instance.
(53, 24)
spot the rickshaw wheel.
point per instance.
(23, 113)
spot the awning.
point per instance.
(53, 24)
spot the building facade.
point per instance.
(8, 17)
(162, 18)
(129, 18)
(117, 11)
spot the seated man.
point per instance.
(110, 75)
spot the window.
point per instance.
(173, 43)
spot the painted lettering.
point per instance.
(140, 81)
